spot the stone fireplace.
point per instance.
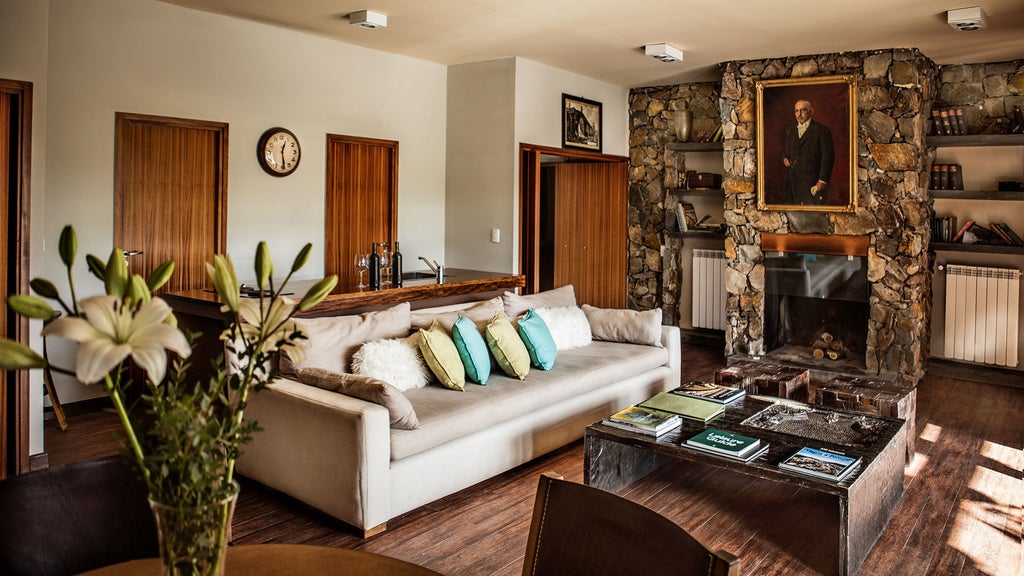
(890, 226)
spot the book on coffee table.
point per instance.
(725, 443)
(710, 391)
(820, 463)
(652, 422)
(688, 407)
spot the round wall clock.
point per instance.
(278, 152)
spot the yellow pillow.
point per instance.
(443, 357)
(506, 346)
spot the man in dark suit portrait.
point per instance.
(809, 157)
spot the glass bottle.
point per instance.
(396, 268)
(374, 268)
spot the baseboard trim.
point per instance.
(947, 368)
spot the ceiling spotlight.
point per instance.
(368, 19)
(664, 52)
(966, 19)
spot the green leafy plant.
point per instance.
(190, 434)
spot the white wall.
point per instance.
(23, 37)
(483, 148)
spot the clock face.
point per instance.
(278, 152)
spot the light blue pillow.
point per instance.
(539, 343)
(472, 349)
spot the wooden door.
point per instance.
(170, 195)
(590, 231)
(361, 205)
(15, 147)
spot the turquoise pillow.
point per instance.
(472, 349)
(539, 343)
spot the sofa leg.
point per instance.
(368, 532)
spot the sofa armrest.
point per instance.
(327, 449)
(670, 339)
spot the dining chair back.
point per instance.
(582, 530)
(74, 517)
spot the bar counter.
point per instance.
(460, 285)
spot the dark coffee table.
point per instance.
(614, 459)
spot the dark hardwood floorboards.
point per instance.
(961, 512)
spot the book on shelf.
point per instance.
(947, 126)
(1010, 233)
(994, 226)
(686, 406)
(961, 121)
(644, 420)
(725, 443)
(820, 463)
(710, 391)
(960, 234)
(978, 234)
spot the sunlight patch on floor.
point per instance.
(930, 433)
(987, 530)
(1009, 457)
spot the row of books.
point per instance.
(947, 177)
(949, 122)
(700, 401)
(999, 233)
(816, 462)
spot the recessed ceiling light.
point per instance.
(368, 19)
(664, 52)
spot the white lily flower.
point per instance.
(256, 322)
(109, 333)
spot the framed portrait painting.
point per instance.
(581, 123)
(807, 144)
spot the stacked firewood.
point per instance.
(826, 346)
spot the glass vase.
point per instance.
(194, 539)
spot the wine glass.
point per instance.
(362, 262)
(385, 265)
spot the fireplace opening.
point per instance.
(816, 310)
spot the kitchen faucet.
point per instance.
(436, 268)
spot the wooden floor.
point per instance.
(961, 511)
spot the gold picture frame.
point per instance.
(816, 170)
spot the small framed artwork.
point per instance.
(807, 144)
(581, 123)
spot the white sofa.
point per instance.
(340, 455)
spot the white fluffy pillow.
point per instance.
(568, 326)
(394, 361)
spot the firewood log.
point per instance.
(827, 337)
(818, 353)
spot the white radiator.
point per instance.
(982, 314)
(709, 289)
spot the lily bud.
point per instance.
(264, 265)
(44, 288)
(68, 245)
(30, 306)
(138, 290)
(96, 266)
(301, 257)
(115, 278)
(160, 276)
(318, 292)
(222, 274)
(15, 356)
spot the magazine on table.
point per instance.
(710, 391)
(821, 463)
(644, 420)
(725, 443)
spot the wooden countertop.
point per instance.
(458, 283)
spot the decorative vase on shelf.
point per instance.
(683, 120)
(194, 539)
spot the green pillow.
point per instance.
(472, 349)
(443, 357)
(507, 348)
(539, 343)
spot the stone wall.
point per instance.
(654, 277)
(894, 88)
(988, 93)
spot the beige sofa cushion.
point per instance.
(480, 313)
(516, 305)
(334, 339)
(618, 325)
(445, 416)
(401, 412)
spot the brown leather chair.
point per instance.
(75, 517)
(583, 530)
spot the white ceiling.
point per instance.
(604, 39)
